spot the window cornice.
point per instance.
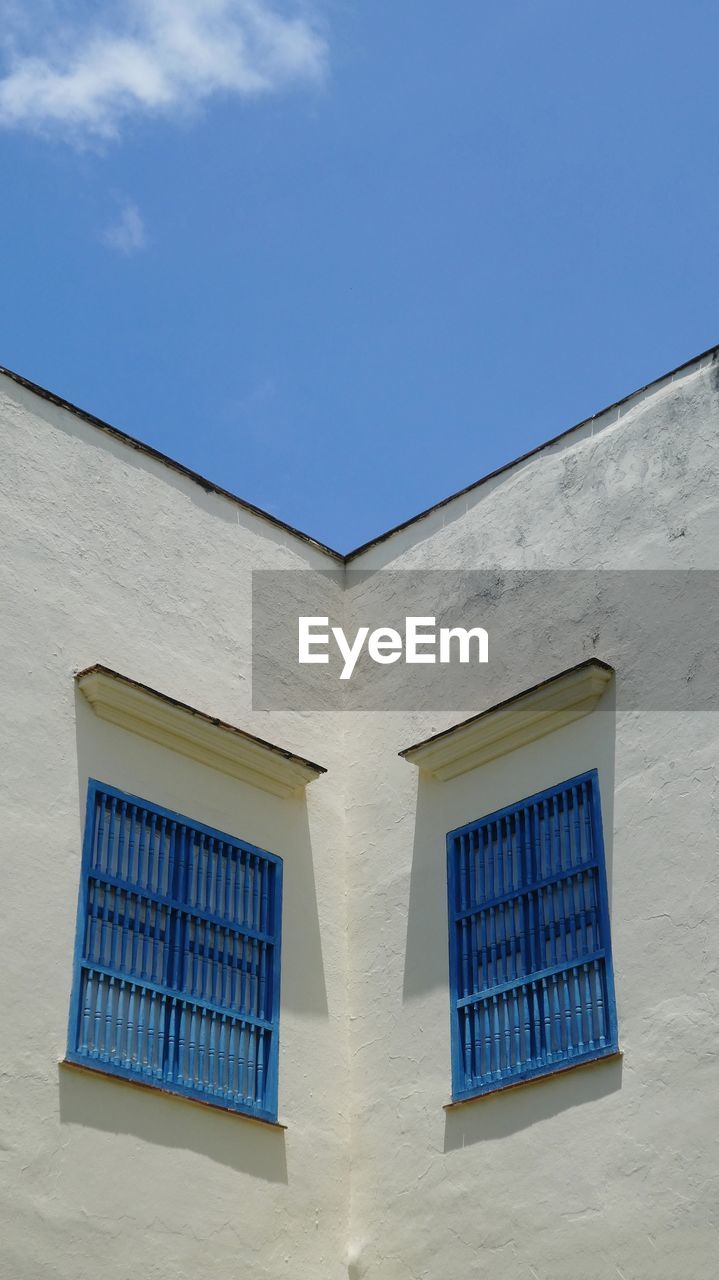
(512, 724)
(193, 733)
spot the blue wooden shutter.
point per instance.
(532, 989)
(177, 965)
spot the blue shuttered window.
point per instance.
(177, 969)
(532, 990)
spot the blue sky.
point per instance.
(344, 257)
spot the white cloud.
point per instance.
(127, 233)
(68, 69)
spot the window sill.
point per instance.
(65, 1064)
(614, 1056)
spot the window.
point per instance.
(177, 966)
(531, 980)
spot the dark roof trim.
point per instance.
(210, 487)
(531, 453)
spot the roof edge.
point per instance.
(342, 558)
(208, 485)
(531, 453)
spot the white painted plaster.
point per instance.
(608, 1172)
(110, 557)
(611, 1171)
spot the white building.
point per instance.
(601, 1161)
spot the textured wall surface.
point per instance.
(110, 557)
(610, 1171)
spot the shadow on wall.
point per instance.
(116, 1107)
(499, 1115)
(116, 756)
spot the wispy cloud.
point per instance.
(87, 75)
(127, 233)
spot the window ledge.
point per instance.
(193, 733)
(614, 1055)
(512, 724)
(66, 1064)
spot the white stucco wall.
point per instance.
(110, 557)
(610, 1171)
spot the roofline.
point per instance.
(531, 453)
(210, 487)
